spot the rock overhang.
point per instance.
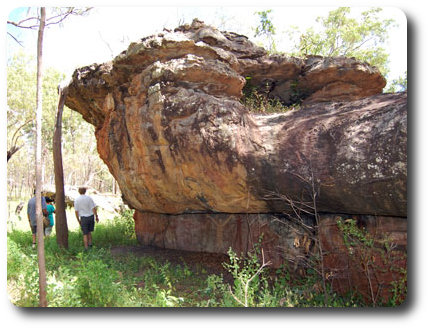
(174, 134)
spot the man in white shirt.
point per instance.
(85, 210)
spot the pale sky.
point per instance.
(107, 31)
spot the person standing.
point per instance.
(31, 214)
(85, 211)
(51, 210)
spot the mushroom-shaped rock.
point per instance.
(173, 132)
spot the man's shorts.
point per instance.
(87, 224)
(33, 229)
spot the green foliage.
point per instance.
(97, 284)
(21, 96)
(341, 34)
(99, 279)
(280, 291)
(266, 29)
(117, 231)
(366, 250)
(266, 25)
(354, 236)
(398, 85)
(77, 135)
(260, 102)
(23, 270)
(248, 275)
(63, 288)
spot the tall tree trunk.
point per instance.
(40, 237)
(60, 212)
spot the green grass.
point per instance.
(99, 279)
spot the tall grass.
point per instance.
(98, 279)
(77, 278)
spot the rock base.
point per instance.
(368, 270)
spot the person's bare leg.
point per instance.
(86, 241)
(90, 240)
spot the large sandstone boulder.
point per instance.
(173, 132)
(204, 173)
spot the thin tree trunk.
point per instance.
(40, 237)
(12, 151)
(60, 212)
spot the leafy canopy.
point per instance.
(266, 29)
(78, 135)
(398, 85)
(342, 34)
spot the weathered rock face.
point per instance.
(218, 232)
(370, 271)
(204, 173)
(175, 136)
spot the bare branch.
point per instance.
(21, 25)
(235, 298)
(56, 19)
(18, 42)
(14, 141)
(15, 137)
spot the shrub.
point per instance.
(375, 258)
(249, 277)
(96, 283)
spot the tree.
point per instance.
(61, 227)
(14, 147)
(343, 35)
(57, 17)
(40, 22)
(77, 135)
(40, 236)
(398, 85)
(266, 29)
(21, 98)
(32, 22)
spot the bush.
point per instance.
(248, 276)
(96, 284)
(22, 270)
(376, 257)
(258, 101)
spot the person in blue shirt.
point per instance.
(51, 210)
(31, 214)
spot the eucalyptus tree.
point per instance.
(266, 29)
(398, 85)
(342, 34)
(40, 237)
(39, 22)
